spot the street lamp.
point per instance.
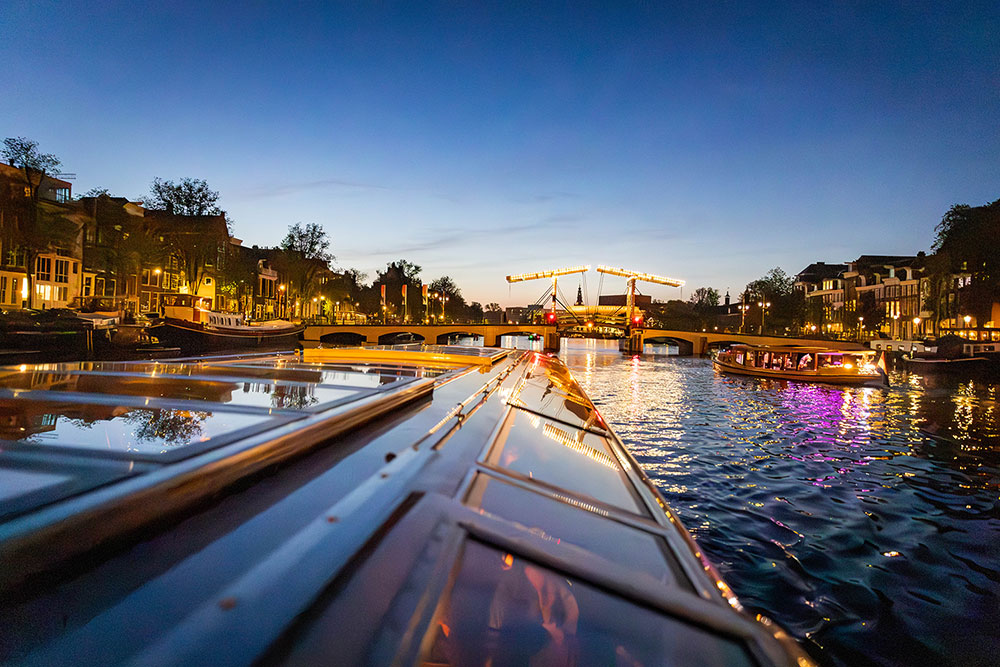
(743, 314)
(861, 326)
(764, 305)
(916, 323)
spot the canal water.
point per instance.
(866, 521)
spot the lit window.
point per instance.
(62, 271)
(43, 268)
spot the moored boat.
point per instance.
(810, 364)
(189, 324)
(418, 506)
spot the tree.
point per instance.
(94, 192)
(393, 277)
(193, 227)
(306, 256)
(966, 243)
(236, 278)
(191, 196)
(772, 286)
(775, 288)
(705, 297)
(474, 312)
(37, 229)
(675, 314)
(454, 303)
(124, 244)
(23, 153)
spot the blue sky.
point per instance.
(704, 141)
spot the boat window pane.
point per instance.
(115, 429)
(550, 390)
(576, 460)
(273, 395)
(360, 375)
(579, 524)
(364, 377)
(29, 483)
(503, 610)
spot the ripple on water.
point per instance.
(864, 520)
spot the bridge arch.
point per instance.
(400, 337)
(343, 338)
(685, 347)
(445, 337)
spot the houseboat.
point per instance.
(189, 324)
(810, 364)
(428, 505)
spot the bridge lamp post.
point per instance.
(916, 323)
(861, 326)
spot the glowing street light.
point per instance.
(764, 305)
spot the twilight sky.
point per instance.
(703, 141)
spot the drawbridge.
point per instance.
(592, 319)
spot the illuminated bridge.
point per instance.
(688, 342)
(701, 342)
(431, 334)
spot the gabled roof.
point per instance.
(819, 271)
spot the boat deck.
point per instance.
(432, 506)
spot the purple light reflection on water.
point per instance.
(798, 493)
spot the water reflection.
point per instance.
(863, 519)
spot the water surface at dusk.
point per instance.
(864, 520)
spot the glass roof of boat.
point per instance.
(115, 419)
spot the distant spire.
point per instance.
(727, 297)
(579, 295)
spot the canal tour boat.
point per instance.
(189, 324)
(424, 506)
(810, 364)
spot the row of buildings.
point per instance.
(108, 252)
(893, 296)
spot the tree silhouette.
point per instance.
(37, 228)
